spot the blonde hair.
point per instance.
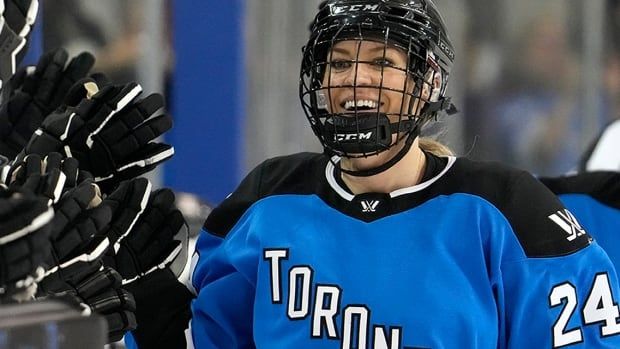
(432, 146)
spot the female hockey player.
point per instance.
(378, 243)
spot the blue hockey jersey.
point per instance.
(475, 256)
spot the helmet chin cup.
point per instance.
(359, 134)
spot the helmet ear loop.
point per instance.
(435, 82)
(431, 94)
(427, 91)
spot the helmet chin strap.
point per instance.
(381, 168)
(429, 109)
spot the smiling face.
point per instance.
(367, 76)
(371, 77)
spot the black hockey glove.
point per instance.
(157, 240)
(32, 95)
(158, 295)
(82, 234)
(78, 234)
(44, 177)
(128, 202)
(111, 134)
(24, 241)
(100, 292)
(17, 18)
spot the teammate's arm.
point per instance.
(555, 286)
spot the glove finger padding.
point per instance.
(24, 240)
(164, 249)
(38, 176)
(119, 323)
(100, 291)
(128, 203)
(148, 292)
(34, 93)
(22, 264)
(77, 69)
(79, 239)
(21, 257)
(160, 207)
(79, 91)
(17, 124)
(40, 85)
(81, 234)
(130, 118)
(83, 238)
(14, 83)
(53, 78)
(72, 205)
(50, 177)
(23, 168)
(21, 213)
(105, 104)
(104, 295)
(111, 134)
(70, 167)
(139, 137)
(151, 244)
(139, 163)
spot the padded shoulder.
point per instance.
(543, 226)
(292, 174)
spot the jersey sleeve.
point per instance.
(555, 286)
(561, 301)
(222, 313)
(214, 323)
(222, 265)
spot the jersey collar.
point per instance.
(330, 175)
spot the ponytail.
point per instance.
(432, 146)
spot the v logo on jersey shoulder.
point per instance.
(568, 223)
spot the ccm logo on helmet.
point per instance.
(446, 49)
(354, 8)
(352, 136)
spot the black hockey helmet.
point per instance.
(413, 26)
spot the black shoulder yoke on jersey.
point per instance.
(296, 174)
(603, 186)
(522, 200)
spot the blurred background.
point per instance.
(535, 81)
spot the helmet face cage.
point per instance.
(358, 131)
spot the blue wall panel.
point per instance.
(207, 98)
